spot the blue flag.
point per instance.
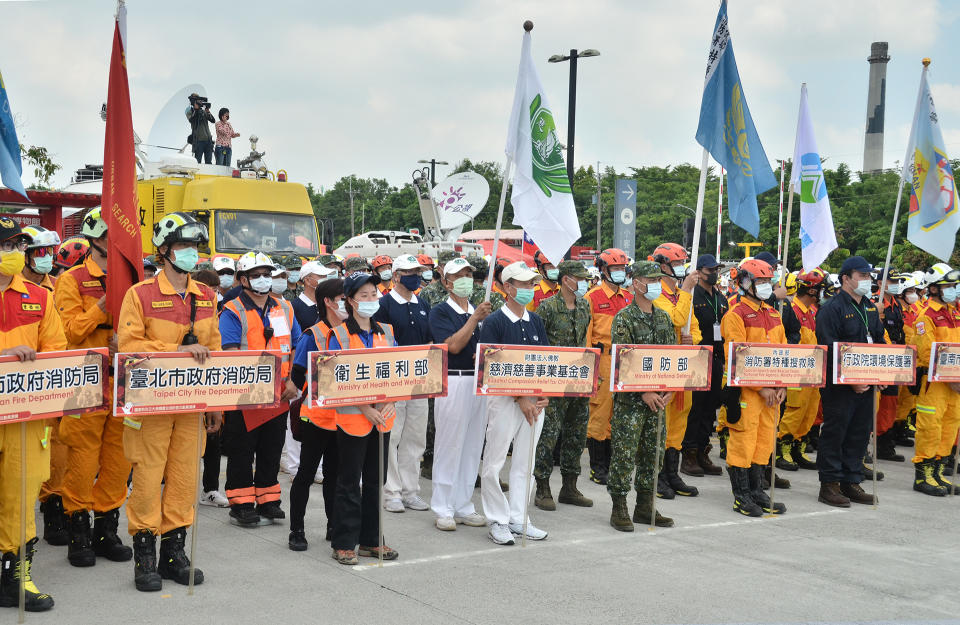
(726, 130)
(10, 165)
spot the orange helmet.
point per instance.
(612, 256)
(72, 251)
(752, 269)
(381, 260)
(814, 277)
(668, 253)
(425, 260)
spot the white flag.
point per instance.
(541, 197)
(817, 236)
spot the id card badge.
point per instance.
(869, 338)
(279, 325)
(716, 332)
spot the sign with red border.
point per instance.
(944, 362)
(537, 370)
(70, 382)
(642, 368)
(352, 377)
(776, 365)
(173, 382)
(874, 363)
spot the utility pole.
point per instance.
(353, 229)
(599, 205)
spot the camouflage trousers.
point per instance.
(633, 443)
(568, 415)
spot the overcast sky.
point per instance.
(370, 87)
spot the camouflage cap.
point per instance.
(204, 265)
(326, 259)
(446, 256)
(355, 263)
(647, 269)
(291, 261)
(573, 268)
(479, 264)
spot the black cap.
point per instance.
(768, 258)
(707, 260)
(353, 282)
(9, 229)
(855, 263)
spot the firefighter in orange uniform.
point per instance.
(606, 300)
(677, 302)
(97, 477)
(549, 281)
(168, 313)
(752, 320)
(909, 299)
(29, 324)
(383, 267)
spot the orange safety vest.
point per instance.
(325, 418)
(251, 338)
(349, 418)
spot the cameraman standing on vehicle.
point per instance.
(199, 115)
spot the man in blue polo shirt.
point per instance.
(459, 417)
(410, 319)
(511, 419)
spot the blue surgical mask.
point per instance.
(186, 259)
(368, 309)
(618, 276)
(653, 291)
(43, 264)
(582, 286)
(386, 275)
(679, 271)
(524, 296)
(226, 281)
(863, 287)
(427, 275)
(293, 276)
(949, 294)
(553, 274)
(411, 283)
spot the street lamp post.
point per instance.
(572, 105)
(433, 169)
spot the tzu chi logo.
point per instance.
(549, 171)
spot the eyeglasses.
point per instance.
(9, 246)
(226, 272)
(262, 274)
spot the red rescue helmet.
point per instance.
(753, 269)
(612, 256)
(814, 277)
(72, 251)
(667, 253)
(381, 260)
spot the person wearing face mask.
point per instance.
(257, 320)
(97, 470)
(847, 409)
(606, 300)
(676, 300)
(306, 308)
(278, 278)
(30, 325)
(332, 262)
(427, 263)
(383, 267)
(355, 264)
(511, 419)
(549, 280)
(635, 422)
(779, 290)
(40, 255)
(566, 317)
(893, 321)
(409, 317)
(226, 269)
(752, 427)
(318, 426)
(800, 326)
(170, 313)
(907, 399)
(360, 429)
(938, 404)
(460, 417)
(294, 267)
(709, 307)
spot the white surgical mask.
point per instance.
(679, 271)
(368, 309)
(278, 285)
(653, 291)
(764, 291)
(342, 310)
(427, 275)
(949, 294)
(386, 275)
(863, 287)
(618, 276)
(261, 285)
(582, 286)
(293, 276)
(911, 298)
(894, 289)
(226, 281)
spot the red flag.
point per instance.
(119, 199)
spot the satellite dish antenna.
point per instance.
(460, 198)
(171, 127)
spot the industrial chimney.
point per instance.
(876, 92)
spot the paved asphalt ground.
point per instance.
(897, 564)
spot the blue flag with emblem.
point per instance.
(10, 165)
(726, 130)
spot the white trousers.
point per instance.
(408, 439)
(460, 420)
(506, 424)
(291, 453)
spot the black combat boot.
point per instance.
(80, 551)
(800, 455)
(55, 521)
(10, 574)
(663, 486)
(887, 449)
(671, 466)
(740, 485)
(940, 471)
(924, 480)
(174, 563)
(759, 496)
(106, 543)
(785, 454)
(145, 575)
(594, 450)
(606, 451)
(782, 482)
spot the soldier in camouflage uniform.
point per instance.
(636, 416)
(566, 316)
(434, 293)
(356, 264)
(330, 261)
(293, 264)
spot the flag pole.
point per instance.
(719, 212)
(21, 586)
(701, 190)
(496, 236)
(783, 166)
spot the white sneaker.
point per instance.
(415, 503)
(393, 505)
(500, 534)
(446, 524)
(533, 533)
(471, 520)
(214, 498)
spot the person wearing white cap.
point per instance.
(512, 419)
(409, 317)
(459, 417)
(305, 305)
